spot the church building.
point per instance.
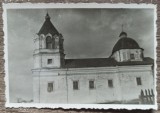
(122, 78)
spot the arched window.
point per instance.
(49, 43)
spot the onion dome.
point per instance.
(48, 27)
(125, 43)
(123, 34)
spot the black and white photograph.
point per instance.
(80, 55)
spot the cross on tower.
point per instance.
(122, 27)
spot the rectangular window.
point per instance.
(139, 82)
(50, 87)
(49, 61)
(91, 84)
(132, 56)
(110, 83)
(75, 85)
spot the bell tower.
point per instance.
(48, 52)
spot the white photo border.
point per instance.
(74, 5)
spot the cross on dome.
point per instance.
(123, 34)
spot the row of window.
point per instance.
(132, 56)
(91, 84)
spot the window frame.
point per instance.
(138, 81)
(50, 87)
(110, 83)
(92, 86)
(76, 85)
(49, 42)
(132, 56)
(49, 61)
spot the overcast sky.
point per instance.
(87, 33)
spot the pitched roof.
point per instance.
(48, 27)
(103, 62)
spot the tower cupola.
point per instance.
(48, 27)
(49, 52)
(123, 34)
(47, 16)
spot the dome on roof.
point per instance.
(125, 43)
